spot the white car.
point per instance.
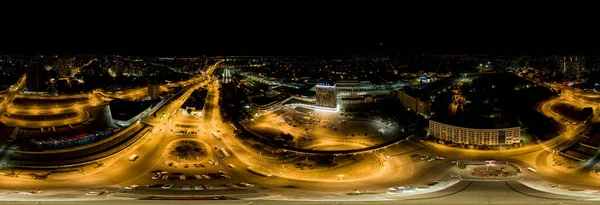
(231, 166)
(167, 186)
(440, 157)
(132, 187)
(186, 187)
(93, 193)
(246, 184)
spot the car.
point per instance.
(186, 166)
(198, 176)
(197, 165)
(205, 176)
(156, 176)
(135, 186)
(134, 157)
(175, 165)
(93, 193)
(165, 177)
(393, 189)
(186, 187)
(201, 165)
(164, 173)
(231, 166)
(232, 185)
(430, 159)
(224, 176)
(196, 187)
(182, 177)
(223, 172)
(424, 157)
(440, 157)
(207, 187)
(246, 184)
(167, 186)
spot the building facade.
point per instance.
(153, 90)
(36, 76)
(474, 136)
(326, 96)
(415, 104)
(571, 65)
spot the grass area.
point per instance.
(187, 150)
(572, 113)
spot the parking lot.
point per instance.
(322, 130)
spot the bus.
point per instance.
(224, 152)
(216, 136)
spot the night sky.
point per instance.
(267, 32)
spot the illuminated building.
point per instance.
(326, 95)
(571, 66)
(422, 107)
(474, 136)
(194, 105)
(153, 90)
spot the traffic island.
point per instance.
(187, 151)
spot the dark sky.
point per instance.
(284, 32)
